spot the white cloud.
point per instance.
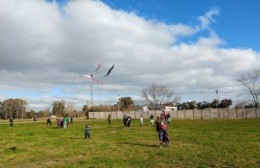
(208, 17)
(44, 47)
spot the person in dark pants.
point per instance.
(49, 121)
(124, 120)
(109, 118)
(128, 121)
(87, 131)
(11, 120)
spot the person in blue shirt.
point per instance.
(87, 131)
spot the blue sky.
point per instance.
(192, 47)
(237, 22)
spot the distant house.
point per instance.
(170, 108)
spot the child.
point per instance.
(109, 118)
(168, 116)
(163, 135)
(11, 120)
(87, 131)
(141, 120)
(128, 121)
(49, 121)
(151, 120)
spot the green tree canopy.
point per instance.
(58, 108)
(125, 103)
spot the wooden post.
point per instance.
(201, 117)
(236, 112)
(193, 114)
(185, 114)
(227, 113)
(246, 113)
(209, 114)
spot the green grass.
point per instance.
(194, 143)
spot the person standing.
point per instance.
(168, 116)
(141, 120)
(87, 131)
(124, 120)
(128, 121)
(151, 120)
(71, 119)
(65, 122)
(11, 120)
(48, 121)
(109, 118)
(159, 130)
(164, 136)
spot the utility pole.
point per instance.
(91, 96)
(217, 93)
(118, 102)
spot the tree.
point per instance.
(125, 103)
(1, 110)
(85, 110)
(203, 105)
(158, 95)
(14, 108)
(251, 84)
(225, 103)
(30, 114)
(58, 108)
(215, 103)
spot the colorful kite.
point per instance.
(98, 67)
(90, 77)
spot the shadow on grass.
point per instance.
(115, 127)
(139, 144)
(56, 127)
(76, 138)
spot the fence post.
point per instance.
(255, 112)
(209, 114)
(178, 114)
(185, 114)
(227, 113)
(201, 114)
(193, 114)
(236, 113)
(246, 113)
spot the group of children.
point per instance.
(161, 127)
(64, 123)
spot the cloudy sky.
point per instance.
(192, 48)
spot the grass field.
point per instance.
(194, 143)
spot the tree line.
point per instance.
(16, 108)
(155, 97)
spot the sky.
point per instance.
(193, 48)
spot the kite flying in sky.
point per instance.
(89, 76)
(98, 67)
(109, 70)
